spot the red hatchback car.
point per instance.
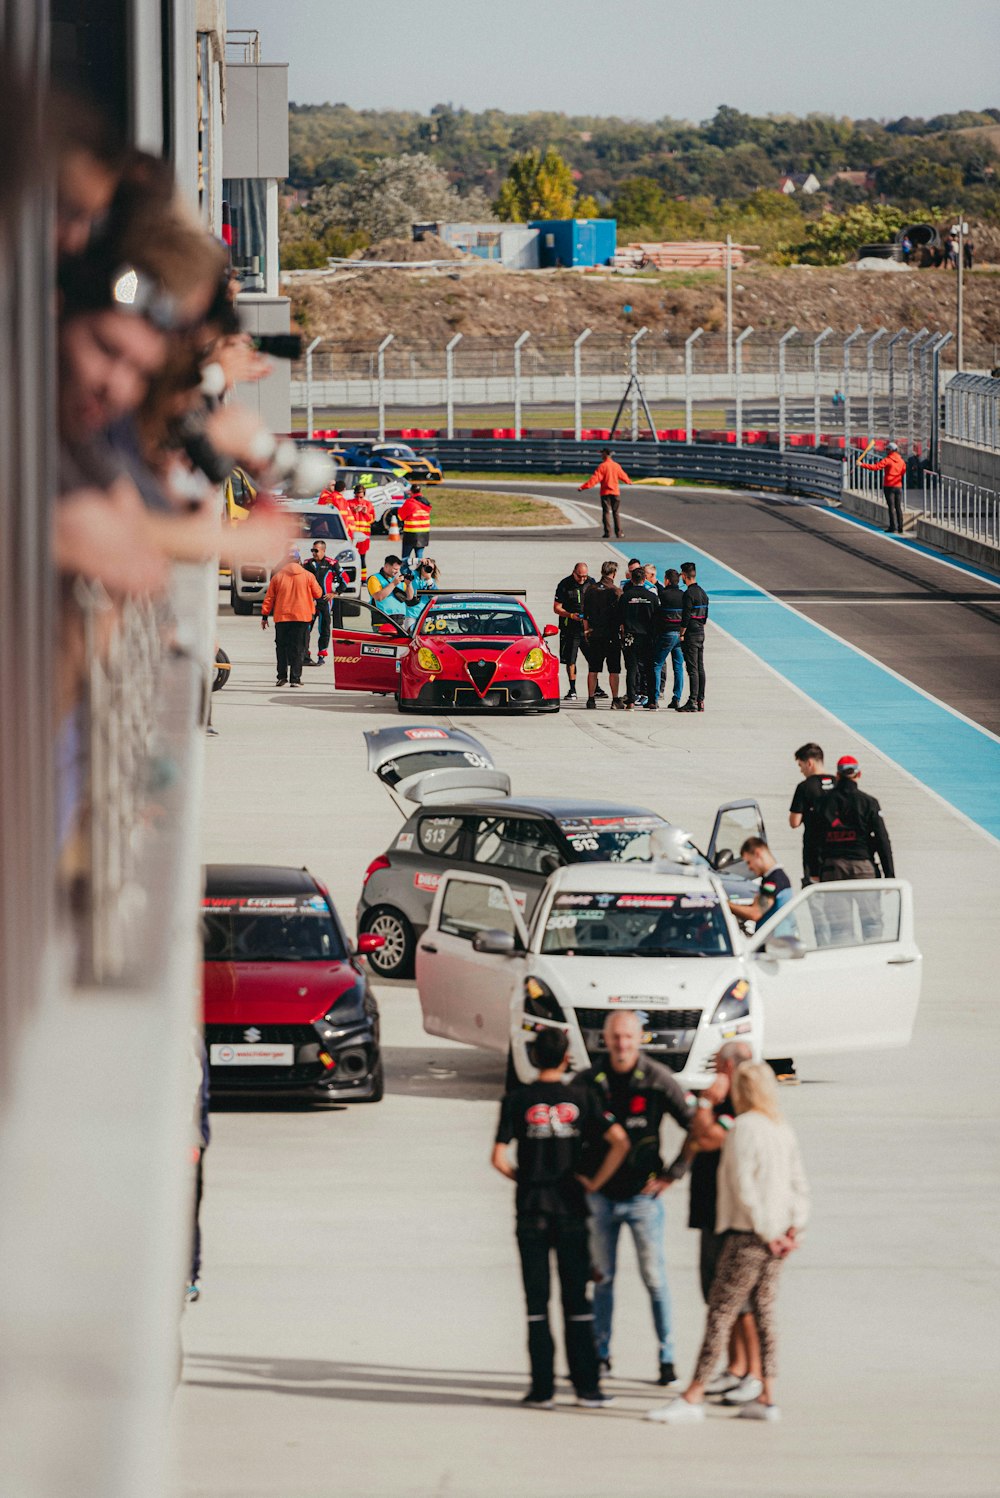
(467, 651)
(288, 1008)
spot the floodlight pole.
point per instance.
(738, 377)
(577, 376)
(381, 384)
(449, 377)
(817, 365)
(309, 386)
(517, 383)
(688, 372)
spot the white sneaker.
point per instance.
(678, 1412)
(748, 1388)
(723, 1382)
(758, 1411)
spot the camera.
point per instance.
(405, 570)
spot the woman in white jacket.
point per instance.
(763, 1205)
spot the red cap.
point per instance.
(848, 765)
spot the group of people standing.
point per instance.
(646, 623)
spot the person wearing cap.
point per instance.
(602, 643)
(291, 597)
(415, 513)
(893, 470)
(848, 833)
(362, 520)
(609, 476)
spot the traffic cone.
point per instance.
(394, 536)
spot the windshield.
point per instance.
(636, 925)
(297, 929)
(329, 527)
(501, 620)
(393, 771)
(619, 839)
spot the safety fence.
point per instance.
(814, 385)
(972, 410)
(967, 509)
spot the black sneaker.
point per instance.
(533, 1401)
(689, 707)
(674, 704)
(651, 707)
(668, 1375)
(595, 1400)
(618, 703)
(600, 692)
(282, 681)
(592, 703)
(310, 662)
(570, 695)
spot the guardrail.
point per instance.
(967, 509)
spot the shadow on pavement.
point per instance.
(464, 1075)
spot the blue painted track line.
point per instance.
(951, 755)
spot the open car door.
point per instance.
(426, 765)
(735, 821)
(366, 646)
(838, 969)
(466, 994)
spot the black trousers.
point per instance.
(291, 641)
(322, 618)
(639, 669)
(539, 1234)
(694, 660)
(610, 504)
(196, 1225)
(894, 499)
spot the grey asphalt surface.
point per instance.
(935, 625)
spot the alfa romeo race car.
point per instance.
(467, 651)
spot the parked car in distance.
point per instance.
(249, 581)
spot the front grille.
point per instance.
(270, 1034)
(670, 1033)
(482, 673)
(659, 1019)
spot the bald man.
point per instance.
(638, 1094)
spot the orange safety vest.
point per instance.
(415, 514)
(362, 519)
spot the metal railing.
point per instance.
(967, 509)
(972, 410)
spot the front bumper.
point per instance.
(675, 1038)
(509, 696)
(354, 1051)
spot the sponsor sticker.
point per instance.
(380, 650)
(698, 902)
(426, 881)
(404, 841)
(425, 733)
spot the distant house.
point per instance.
(805, 182)
(865, 180)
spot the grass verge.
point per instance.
(489, 511)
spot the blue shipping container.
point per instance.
(575, 241)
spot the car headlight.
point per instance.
(541, 1003)
(427, 660)
(533, 661)
(734, 1004)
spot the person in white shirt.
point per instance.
(763, 1205)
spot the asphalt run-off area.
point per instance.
(361, 1327)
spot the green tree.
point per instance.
(536, 186)
(639, 203)
(834, 237)
(396, 192)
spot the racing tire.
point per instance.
(396, 958)
(240, 605)
(378, 1084)
(222, 668)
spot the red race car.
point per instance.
(467, 651)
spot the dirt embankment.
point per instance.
(422, 308)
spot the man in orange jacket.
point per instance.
(609, 475)
(893, 467)
(291, 598)
(415, 513)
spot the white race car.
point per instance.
(316, 522)
(836, 969)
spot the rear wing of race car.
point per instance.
(480, 593)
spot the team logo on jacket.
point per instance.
(552, 1120)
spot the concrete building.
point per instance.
(512, 245)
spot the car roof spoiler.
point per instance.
(436, 787)
(481, 593)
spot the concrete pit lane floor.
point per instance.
(361, 1326)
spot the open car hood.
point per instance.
(446, 764)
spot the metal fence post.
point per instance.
(817, 361)
(911, 412)
(870, 373)
(449, 378)
(937, 346)
(781, 385)
(309, 386)
(729, 305)
(890, 351)
(846, 392)
(738, 377)
(633, 369)
(517, 383)
(577, 376)
(381, 383)
(688, 372)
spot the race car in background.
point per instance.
(395, 456)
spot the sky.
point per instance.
(641, 59)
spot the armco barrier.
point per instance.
(799, 471)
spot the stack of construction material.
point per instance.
(696, 254)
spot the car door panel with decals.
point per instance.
(366, 646)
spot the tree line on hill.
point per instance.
(369, 173)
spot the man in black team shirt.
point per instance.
(552, 1122)
(693, 619)
(815, 783)
(568, 608)
(638, 611)
(639, 1094)
(847, 835)
(667, 641)
(602, 644)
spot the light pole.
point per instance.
(633, 369)
(960, 230)
(848, 341)
(911, 412)
(936, 346)
(688, 372)
(817, 361)
(449, 377)
(381, 384)
(738, 377)
(890, 351)
(517, 383)
(782, 341)
(870, 373)
(729, 304)
(577, 375)
(309, 386)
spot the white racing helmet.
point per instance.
(670, 845)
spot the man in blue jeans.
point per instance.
(667, 641)
(638, 1094)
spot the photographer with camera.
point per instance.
(391, 588)
(425, 583)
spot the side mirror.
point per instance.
(549, 631)
(496, 943)
(369, 941)
(724, 857)
(785, 948)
